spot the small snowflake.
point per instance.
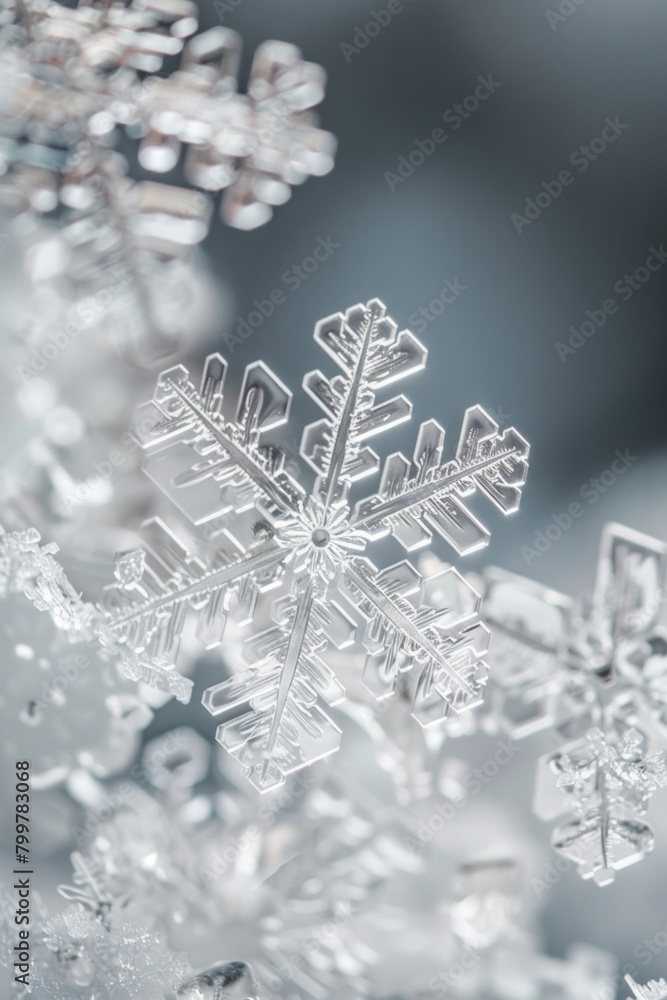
(611, 784)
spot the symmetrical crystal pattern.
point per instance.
(268, 532)
(73, 75)
(571, 663)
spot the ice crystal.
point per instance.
(594, 671)
(608, 787)
(102, 946)
(64, 695)
(654, 989)
(74, 75)
(27, 567)
(532, 686)
(222, 981)
(571, 664)
(315, 884)
(486, 897)
(271, 533)
(72, 78)
(287, 877)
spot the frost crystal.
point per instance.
(558, 662)
(596, 672)
(73, 75)
(72, 78)
(26, 567)
(223, 981)
(609, 788)
(63, 692)
(101, 946)
(269, 533)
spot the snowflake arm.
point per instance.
(90, 889)
(28, 567)
(209, 465)
(412, 505)
(281, 727)
(609, 786)
(32, 569)
(447, 647)
(365, 344)
(654, 989)
(144, 611)
(254, 146)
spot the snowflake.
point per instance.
(73, 78)
(267, 532)
(609, 786)
(27, 567)
(533, 687)
(290, 875)
(593, 671)
(102, 60)
(567, 664)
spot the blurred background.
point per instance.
(410, 232)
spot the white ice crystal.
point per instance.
(594, 671)
(32, 569)
(72, 75)
(269, 533)
(608, 787)
(72, 78)
(101, 946)
(65, 703)
(571, 664)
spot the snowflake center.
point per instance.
(320, 537)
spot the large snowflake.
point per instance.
(267, 532)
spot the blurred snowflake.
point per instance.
(72, 77)
(607, 786)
